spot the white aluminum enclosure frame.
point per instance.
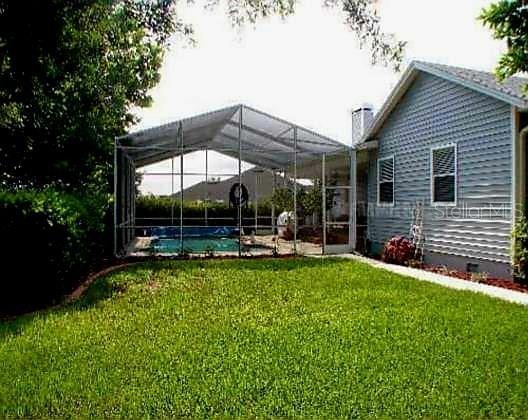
(241, 132)
(351, 187)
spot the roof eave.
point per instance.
(512, 100)
(392, 100)
(408, 77)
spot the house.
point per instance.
(258, 182)
(451, 142)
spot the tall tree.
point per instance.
(361, 16)
(69, 74)
(508, 20)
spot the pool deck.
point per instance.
(252, 245)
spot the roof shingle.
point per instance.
(511, 90)
(513, 86)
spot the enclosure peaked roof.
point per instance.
(266, 141)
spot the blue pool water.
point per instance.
(195, 245)
(171, 232)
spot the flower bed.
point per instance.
(477, 278)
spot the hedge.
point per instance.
(50, 239)
(162, 207)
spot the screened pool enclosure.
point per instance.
(296, 194)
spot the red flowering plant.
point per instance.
(398, 250)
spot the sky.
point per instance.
(307, 69)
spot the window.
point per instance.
(386, 180)
(443, 175)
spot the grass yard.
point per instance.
(307, 337)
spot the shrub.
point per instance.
(519, 239)
(193, 211)
(283, 199)
(308, 199)
(398, 250)
(50, 240)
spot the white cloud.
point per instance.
(309, 68)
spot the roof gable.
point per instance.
(510, 91)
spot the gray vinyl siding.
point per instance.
(436, 112)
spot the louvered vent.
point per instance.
(386, 180)
(444, 175)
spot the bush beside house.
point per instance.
(398, 250)
(520, 249)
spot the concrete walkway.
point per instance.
(446, 281)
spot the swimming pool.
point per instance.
(194, 245)
(173, 232)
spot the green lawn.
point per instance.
(305, 337)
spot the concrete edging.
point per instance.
(446, 281)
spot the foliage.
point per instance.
(150, 206)
(69, 74)
(50, 239)
(398, 250)
(519, 239)
(508, 20)
(282, 198)
(311, 199)
(311, 338)
(361, 16)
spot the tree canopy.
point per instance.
(69, 74)
(361, 16)
(508, 20)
